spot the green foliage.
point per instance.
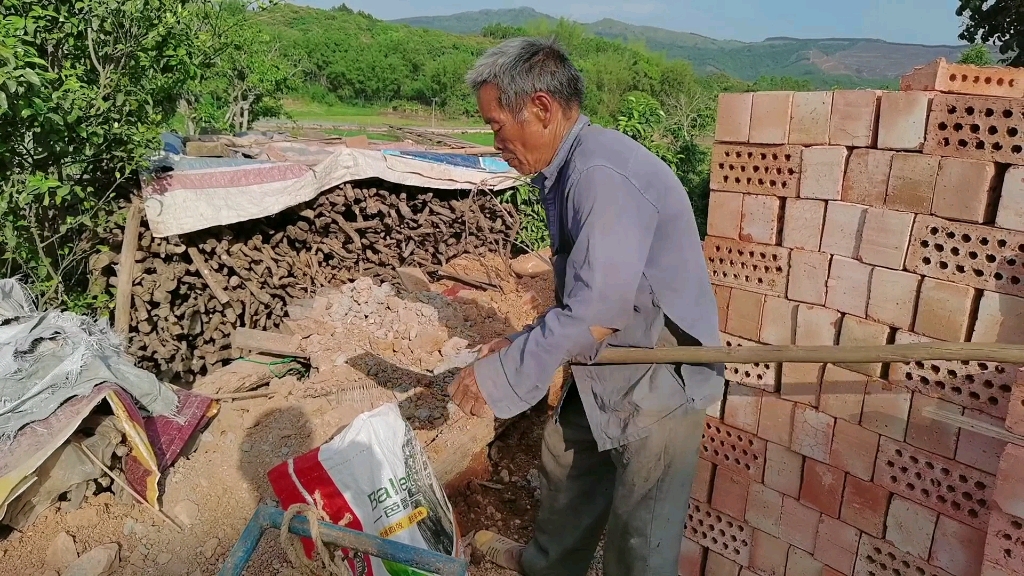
(533, 227)
(502, 31)
(999, 22)
(977, 55)
(84, 89)
(767, 83)
(241, 75)
(672, 138)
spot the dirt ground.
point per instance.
(213, 491)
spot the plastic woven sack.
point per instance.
(374, 477)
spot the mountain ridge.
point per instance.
(821, 60)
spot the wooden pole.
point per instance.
(126, 270)
(950, 351)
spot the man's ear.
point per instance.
(544, 107)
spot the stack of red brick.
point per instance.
(865, 218)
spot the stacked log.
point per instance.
(191, 292)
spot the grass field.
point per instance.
(480, 138)
(312, 112)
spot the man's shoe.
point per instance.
(500, 550)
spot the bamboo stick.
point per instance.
(125, 485)
(949, 351)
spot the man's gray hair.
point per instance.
(522, 67)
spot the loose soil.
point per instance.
(213, 491)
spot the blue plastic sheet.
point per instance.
(481, 163)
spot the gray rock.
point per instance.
(210, 548)
(62, 552)
(99, 561)
(187, 512)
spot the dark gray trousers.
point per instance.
(639, 492)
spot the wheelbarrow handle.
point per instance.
(270, 517)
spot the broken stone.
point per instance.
(99, 561)
(187, 512)
(162, 559)
(210, 548)
(62, 552)
(453, 347)
(413, 280)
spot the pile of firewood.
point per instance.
(191, 292)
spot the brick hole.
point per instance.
(998, 276)
(1016, 149)
(773, 184)
(952, 78)
(904, 470)
(744, 168)
(970, 109)
(778, 171)
(958, 127)
(1011, 84)
(929, 466)
(988, 80)
(945, 142)
(955, 251)
(750, 155)
(943, 126)
(997, 146)
(935, 483)
(1001, 243)
(764, 156)
(989, 112)
(941, 499)
(955, 505)
(775, 156)
(943, 265)
(961, 143)
(756, 168)
(785, 184)
(977, 79)
(760, 181)
(979, 145)
(918, 476)
(990, 258)
(975, 396)
(1012, 131)
(972, 513)
(1016, 525)
(961, 269)
(926, 261)
(1000, 81)
(967, 496)
(951, 109)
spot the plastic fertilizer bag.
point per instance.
(373, 477)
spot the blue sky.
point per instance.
(912, 21)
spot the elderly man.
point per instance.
(621, 451)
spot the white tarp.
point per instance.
(184, 201)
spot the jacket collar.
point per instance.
(547, 175)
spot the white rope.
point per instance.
(322, 561)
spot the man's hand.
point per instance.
(465, 392)
(493, 346)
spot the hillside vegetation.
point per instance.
(825, 63)
(354, 58)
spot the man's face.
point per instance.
(525, 143)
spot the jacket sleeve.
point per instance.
(613, 225)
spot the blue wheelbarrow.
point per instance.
(267, 517)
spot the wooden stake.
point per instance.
(126, 269)
(125, 485)
(974, 425)
(211, 277)
(950, 351)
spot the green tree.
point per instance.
(85, 88)
(999, 22)
(977, 55)
(785, 83)
(242, 76)
(500, 31)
